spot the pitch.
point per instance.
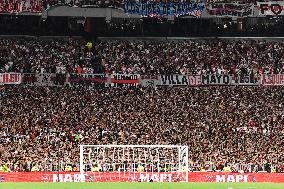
(141, 185)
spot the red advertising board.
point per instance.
(135, 177)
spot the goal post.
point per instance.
(134, 163)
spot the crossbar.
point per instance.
(131, 146)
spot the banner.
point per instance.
(139, 177)
(230, 9)
(194, 80)
(273, 79)
(272, 8)
(44, 79)
(124, 80)
(216, 79)
(245, 80)
(87, 79)
(173, 80)
(164, 8)
(135, 80)
(10, 78)
(149, 81)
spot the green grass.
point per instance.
(141, 185)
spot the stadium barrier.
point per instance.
(138, 177)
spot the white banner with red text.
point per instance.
(10, 78)
(272, 80)
(136, 80)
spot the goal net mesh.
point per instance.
(134, 163)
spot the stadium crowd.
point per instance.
(43, 56)
(143, 57)
(222, 125)
(43, 126)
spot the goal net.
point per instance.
(134, 163)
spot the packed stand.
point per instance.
(221, 125)
(45, 56)
(191, 57)
(142, 57)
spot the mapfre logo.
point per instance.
(231, 178)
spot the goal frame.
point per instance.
(179, 147)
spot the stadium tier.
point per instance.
(222, 125)
(67, 92)
(142, 57)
